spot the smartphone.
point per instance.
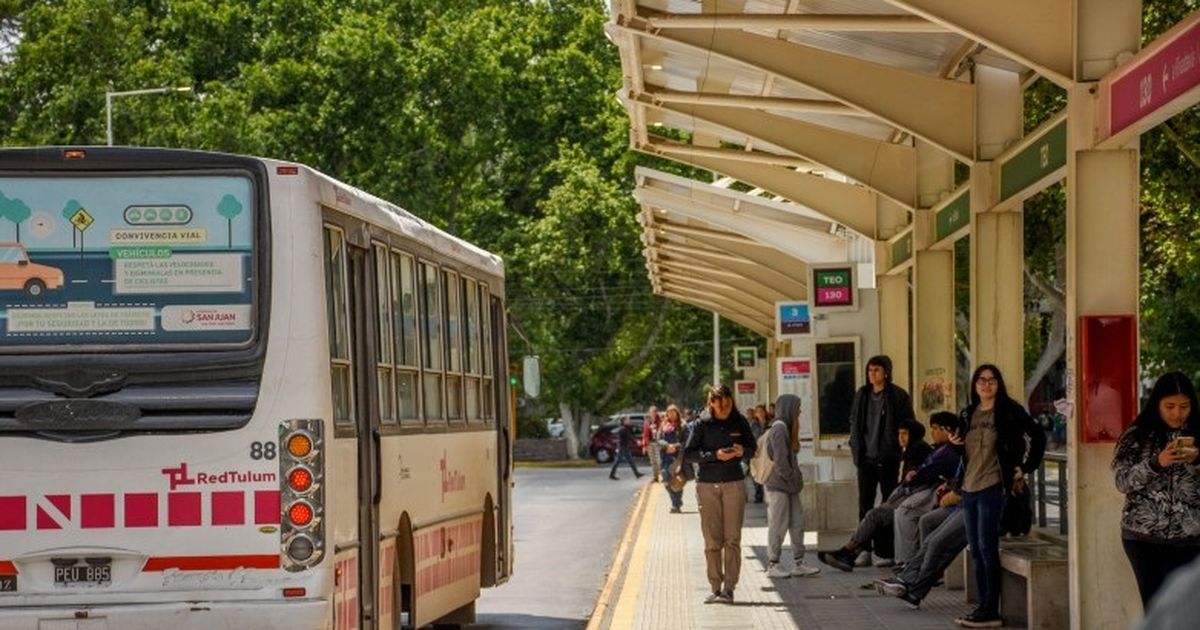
(1184, 441)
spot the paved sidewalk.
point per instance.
(661, 583)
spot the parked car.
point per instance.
(603, 445)
(554, 427)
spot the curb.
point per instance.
(600, 616)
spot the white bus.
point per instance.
(236, 393)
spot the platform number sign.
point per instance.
(833, 288)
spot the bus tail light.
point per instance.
(302, 493)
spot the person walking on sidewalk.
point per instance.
(785, 515)
(671, 441)
(651, 432)
(875, 416)
(624, 449)
(719, 443)
(759, 423)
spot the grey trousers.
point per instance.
(785, 515)
(943, 536)
(722, 507)
(908, 515)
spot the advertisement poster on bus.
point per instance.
(795, 378)
(125, 260)
(792, 319)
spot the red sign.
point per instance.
(1160, 73)
(747, 387)
(796, 367)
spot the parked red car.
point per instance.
(603, 446)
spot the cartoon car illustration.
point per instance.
(17, 272)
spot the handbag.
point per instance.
(678, 478)
(1017, 518)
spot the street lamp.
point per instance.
(109, 96)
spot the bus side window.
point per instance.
(431, 313)
(471, 349)
(489, 394)
(384, 349)
(404, 292)
(338, 313)
(454, 381)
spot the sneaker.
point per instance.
(839, 559)
(726, 597)
(613, 477)
(884, 563)
(804, 570)
(863, 559)
(639, 475)
(776, 571)
(891, 587)
(913, 602)
(675, 509)
(980, 619)
(713, 598)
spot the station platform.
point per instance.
(658, 581)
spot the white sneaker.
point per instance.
(884, 563)
(863, 559)
(804, 570)
(776, 571)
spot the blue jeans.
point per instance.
(623, 454)
(676, 497)
(982, 512)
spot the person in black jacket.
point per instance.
(624, 449)
(875, 416)
(719, 443)
(993, 443)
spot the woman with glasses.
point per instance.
(719, 442)
(993, 441)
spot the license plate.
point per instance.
(83, 574)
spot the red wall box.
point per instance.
(1108, 375)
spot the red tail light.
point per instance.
(300, 479)
(300, 514)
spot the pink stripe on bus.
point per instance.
(229, 508)
(97, 510)
(141, 509)
(12, 513)
(183, 509)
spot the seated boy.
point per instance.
(912, 499)
(943, 536)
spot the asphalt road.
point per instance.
(567, 524)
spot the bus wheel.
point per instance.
(35, 288)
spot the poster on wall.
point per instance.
(745, 357)
(795, 378)
(792, 319)
(745, 395)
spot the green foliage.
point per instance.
(492, 119)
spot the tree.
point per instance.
(68, 211)
(15, 210)
(229, 207)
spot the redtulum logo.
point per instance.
(179, 477)
(452, 480)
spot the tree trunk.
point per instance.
(570, 432)
(1056, 345)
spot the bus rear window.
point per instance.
(127, 261)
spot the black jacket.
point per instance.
(625, 438)
(897, 407)
(1013, 426)
(710, 435)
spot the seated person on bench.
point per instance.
(943, 537)
(912, 499)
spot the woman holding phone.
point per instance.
(719, 443)
(1155, 467)
(999, 443)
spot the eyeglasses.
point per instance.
(987, 380)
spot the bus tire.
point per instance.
(487, 551)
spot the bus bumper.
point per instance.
(237, 615)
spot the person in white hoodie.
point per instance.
(783, 485)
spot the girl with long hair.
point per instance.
(671, 441)
(719, 442)
(996, 432)
(1155, 468)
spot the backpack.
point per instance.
(761, 464)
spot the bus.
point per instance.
(252, 397)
